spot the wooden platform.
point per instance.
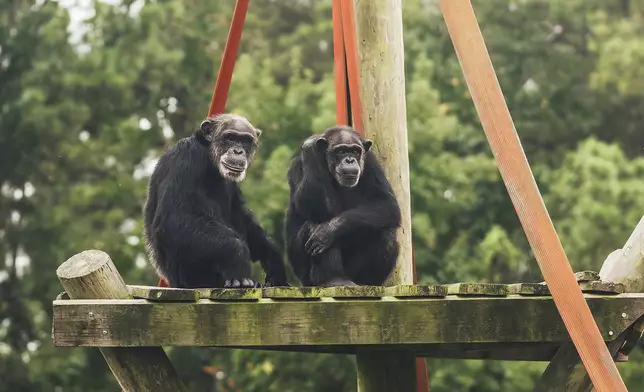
(463, 320)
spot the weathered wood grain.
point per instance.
(92, 274)
(416, 291)
(232, 294)
(529, 289)
(131, 323)
(291, 292)
(599, 287)
(483, 289)
(163, 294)
(586, 276)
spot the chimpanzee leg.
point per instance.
(371, 263)
(327, 269)
(224, 263)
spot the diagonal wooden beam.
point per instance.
(516, 173)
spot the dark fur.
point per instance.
(198, 229)
(340, 235)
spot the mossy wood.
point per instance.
(378, 322)
(92, 275)
(164, 294)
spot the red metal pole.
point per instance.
(350, 44)
(339, 67)
(225, 75)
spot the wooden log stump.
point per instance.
(92, 275)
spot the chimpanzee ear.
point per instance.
(259, 132)
(321, 144)
(207, 126)
(366, 144)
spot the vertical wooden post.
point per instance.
(382, 89)
(92, 275)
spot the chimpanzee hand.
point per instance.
(320, 239)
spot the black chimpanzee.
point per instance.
(342, 217)
(198, 230)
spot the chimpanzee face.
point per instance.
(345, 151)
(233, 140)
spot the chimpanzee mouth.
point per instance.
(236, 170)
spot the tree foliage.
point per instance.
(86, 108)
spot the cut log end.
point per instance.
(83, 264)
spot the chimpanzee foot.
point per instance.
(338, 282)
(244, 283)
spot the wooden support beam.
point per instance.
(92, 275)
(624, 267)
(385, 322)
(516, 173)
(382, 89)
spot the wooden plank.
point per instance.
(130, 323)
(599, 287)
(623, 267)
(232, 294)
(355, 292)
(291, 292)
(163, 294)
(586, 276)
(513, 165)
(416, 291)
(92, 274)
(529, 289)
(484, 289)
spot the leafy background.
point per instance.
(92, 92)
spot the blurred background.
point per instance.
(92, 92)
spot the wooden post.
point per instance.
(92, 275)
(516, 173)
(382, 89)
(626, 265)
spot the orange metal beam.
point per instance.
(516, 173)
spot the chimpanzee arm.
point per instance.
(261, 246)
(380, 209)
(311, 188)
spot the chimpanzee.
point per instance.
(199, 231)
(343, 215)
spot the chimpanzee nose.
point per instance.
(350, 160)
(238, 151)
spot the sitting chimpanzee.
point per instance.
(198, 230)
(343, 215)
